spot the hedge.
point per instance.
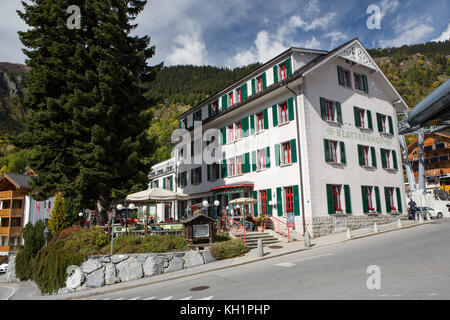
(228, 249)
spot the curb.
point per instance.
(131, 286)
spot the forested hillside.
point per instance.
(415, 71)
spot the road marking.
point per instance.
(167, 298)
(135, 298)
(187, 298)
(285, 264)
(151, 298)
(206, 298)
(291, 264)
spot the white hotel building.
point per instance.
(313, 133)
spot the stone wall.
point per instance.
(322, 226)
(99, 271)
(10, 274)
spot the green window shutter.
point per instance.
(369, 119)
(269, 198)
(379, 122)
(164, 183)
(360, 155)
(253, 86)
(266, 118)
(348, 202)
(330, 199)
(374, 157)
(394, 157)
(151, 184)
(293, 151)
(224, 135)
(224, 168)
(254, 166)
(378, 200)
(252, 123)
(399, 200)
(386, 195)
(255, 205)
(275, 74)
(391, 127)
(343, 157)
(288, 67)
(171, 183)
(275, 115)
(267, 157)
(246, 164)
(279, 202)
(326, 144)
(192, 176)
(244, 93)
(290, 102)
(245, 129)
(340, 76)
(364, 199)
(365, 83)
(208, 174)
(179, 124)
(323, 109)
(296, 200)
(277, 155)
(200, 176)
(383, 159)
(356, 112)
(339, 112)
(192, 148)
(224, 102)
(264, 80)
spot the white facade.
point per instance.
(295, 130)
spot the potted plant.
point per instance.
(259, 223)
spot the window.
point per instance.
(358, 81)
(361, 113)
(17, 204)
(387, 159)
(238, 131)
(263, 202)
(213, 108)
(282, 74)
(184, 123)
(259, 84)
(288, 199)
(231, 167)
(183, 179)
(391, 198)
(230, 99)
(383, 123)
(231, 133)
(239, 162)
(261, 159)
(238, 95)
(333, 151)
(4, 241)
(285, 153)
(369, 191)
(16, 222)
(347, 78)
(337, 197)
(260, 122)
(198, 115)
(283, 112)
(365, 153)
(331, 114)
(214, 171)
(197, 178)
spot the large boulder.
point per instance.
(175, 264)
(207, 256)
(96, 279)
(118, 258)
(76, 277)
(91, 265)
(130, 269)
(153, 265)
(192, 259)
(110, 274)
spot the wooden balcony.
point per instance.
(4, 231)
(15, 231)
(8, 248)
(6, 194)
(11, 212)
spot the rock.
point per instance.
(175, 264)
(207, 256)
(63, 291)
(118, 258)
(192, 259)
(96, 279)
(129, 269)
(91, 265)
(75, 279)
(110, 274)
(153, 265)
(142, 257)
(106, 259)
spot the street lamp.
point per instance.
(46, 235)
(217, 203)
(205, 205)
(130, 207)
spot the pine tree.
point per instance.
(87, 115)
(58, 219)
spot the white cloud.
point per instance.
(408, 36)
(317, 23)
(189, 49)
(336, 37)
(444, 36)
(388, 6)
(312, 7)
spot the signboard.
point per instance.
(201, 230)
(290, 220)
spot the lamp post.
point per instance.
(205, 205)
(130, 207)
(46, 235)
(81, 214)
(217, 203)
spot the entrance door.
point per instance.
(167, 211)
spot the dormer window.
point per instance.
(238, 95)
(259, 84)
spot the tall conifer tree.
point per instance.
(87, 116)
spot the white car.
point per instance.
(4, 267)
(433, 213)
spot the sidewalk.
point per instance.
(251, 256)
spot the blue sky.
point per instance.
(238, 32)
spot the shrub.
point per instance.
(24, 264)
(221, 236)
(34, 241)
(155, 244)
(228, 249)
(58, 220)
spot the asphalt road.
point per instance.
(413, 264)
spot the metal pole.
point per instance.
(112, 236)
(411, 179)
(421, 139)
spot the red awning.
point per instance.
(232, 186)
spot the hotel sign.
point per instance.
(339, 133)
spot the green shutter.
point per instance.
(391, 127)
(357, 120)
(288, 67)
(253, 86)
(224, 168)
(386, 195)
(339, 112)
(192, 176)
(326, 144)
(164, 183)
(383, 159)
(293, 151)
(394, 157)
(254, 166)
(244, 127)
(179, 124)
(330, 199)
(277, 155)
(224, 102)
(264, 80)
(378, 200)
(340, 76)
(360, 155)
(255, 205)
(266, 118)
(275, 74)
(208, 174)
(374, 157)
(275, 115)
(279, 202)
(343, 157)
(399, 200)
(379, 122)
(171, 183)
(244, 93)
(323, 109)
(267, 157)
(269, 198)
(252, 123)
(224, 135)
(246, 164)
(364, 199)
(290, 102)
(369, 119)
(295, 190)
(348, 202)
(365, 83)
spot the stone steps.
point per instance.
(252, 238)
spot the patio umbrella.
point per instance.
(243, 201)
(156, 194)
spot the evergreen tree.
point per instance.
(58, 220)
(87, 115)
